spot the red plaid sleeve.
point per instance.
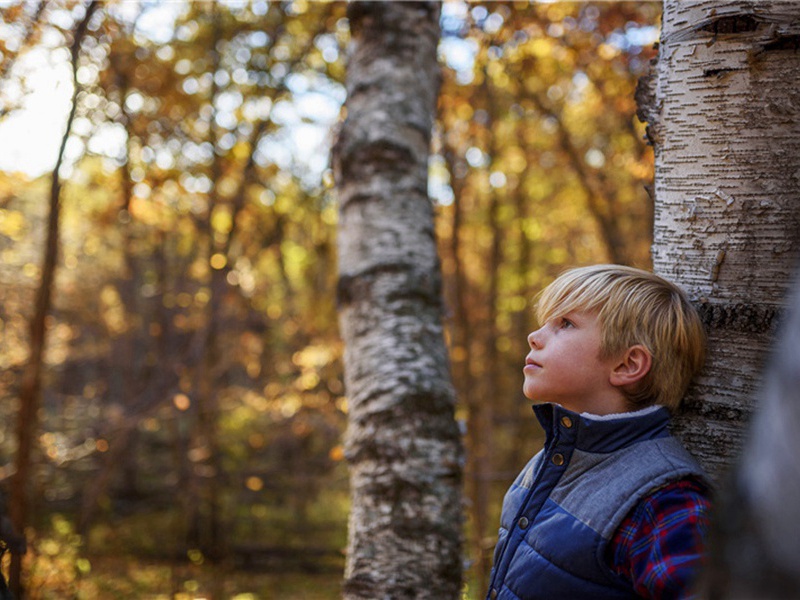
(660, 545)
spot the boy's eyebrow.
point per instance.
(574, 314)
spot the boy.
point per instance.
(613, 506)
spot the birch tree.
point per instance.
(723, 117)
(402, 444)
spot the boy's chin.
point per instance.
(532, 391)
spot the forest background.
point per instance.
(188, 436)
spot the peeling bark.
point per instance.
(402, 444)
(726, 126)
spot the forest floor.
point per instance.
(123, 578)
(137, 558)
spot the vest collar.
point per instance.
(602, 434)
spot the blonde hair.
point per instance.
(635, 307)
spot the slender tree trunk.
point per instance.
(483, 367)
(523, 323)
(598, 201)
(462, 340)
(725, 123)
(403, 444)
(30, 388)
(204, 527)
(461, 331)
(121, 457)
(128, 357)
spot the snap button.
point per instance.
(493, 595)
(558, 459)
(566, 422)
(523, 523)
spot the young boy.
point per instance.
(613, 506)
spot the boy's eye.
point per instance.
(566, 323)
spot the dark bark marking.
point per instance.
(418, 285)
(646, 108)
(360, 585)
(421, 403)
(425, 406)
(363, 14)
(357, 286)
(425, 288)
(711, 411)
(783, 42)
(719, 72)
(748, 318)
(363, 160)
(745, 23)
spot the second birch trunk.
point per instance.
(403, 444)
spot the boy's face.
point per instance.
(564, 366)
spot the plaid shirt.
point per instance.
(659, 546)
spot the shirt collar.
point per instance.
(602, 434)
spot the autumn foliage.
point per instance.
(192, 403)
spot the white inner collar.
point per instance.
(610, 417)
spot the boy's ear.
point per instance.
(634, 364)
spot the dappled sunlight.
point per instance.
(189, 438)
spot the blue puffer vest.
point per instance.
(565, 505)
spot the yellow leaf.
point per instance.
(336, 453)
(12, 224)
(221, 221)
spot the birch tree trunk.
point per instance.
(403, 444)
(725, 123)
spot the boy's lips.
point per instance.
(529, 362)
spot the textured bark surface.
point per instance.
(403, 444)
(726, 130)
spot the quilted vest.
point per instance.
(564, 507)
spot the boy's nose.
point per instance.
(534, 340)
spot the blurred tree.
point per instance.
(403, 444)
(542, 165)
(218, 239)
(754, 548)
(196, 177)
(192, 353)
(727, 215)
(30, 388)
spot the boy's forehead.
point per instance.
(566, 303)
(571, 297)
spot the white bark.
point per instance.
(726, 130)
(403, 444)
